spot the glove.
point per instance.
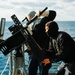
(46, 61)
(46, 13)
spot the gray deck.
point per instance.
(50, 74)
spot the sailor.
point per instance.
(31, 28)
(43, 40)
(62, 46)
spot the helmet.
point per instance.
(53, 28)
(32, 13)
(52, 15)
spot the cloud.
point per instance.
(68, 0)
(65, 8)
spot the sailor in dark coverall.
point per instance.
(43, 40)
(63, 47)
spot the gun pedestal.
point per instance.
(19, 64)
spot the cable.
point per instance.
(5, 66)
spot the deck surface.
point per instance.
(50, 74)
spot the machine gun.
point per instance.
(21, 35)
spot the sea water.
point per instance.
(67, 26)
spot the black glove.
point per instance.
(28, 51)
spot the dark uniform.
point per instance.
(43, 40)
(63, 47)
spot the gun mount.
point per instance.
(21, 35)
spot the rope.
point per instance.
(5, 66)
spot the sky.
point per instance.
(65, 8)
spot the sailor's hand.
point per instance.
(39, 14)
(46, 61)
(45, 14)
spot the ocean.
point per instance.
(67, 26)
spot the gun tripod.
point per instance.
(18, 62)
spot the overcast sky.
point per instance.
(65, 8)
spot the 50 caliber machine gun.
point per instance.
(21, 35)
